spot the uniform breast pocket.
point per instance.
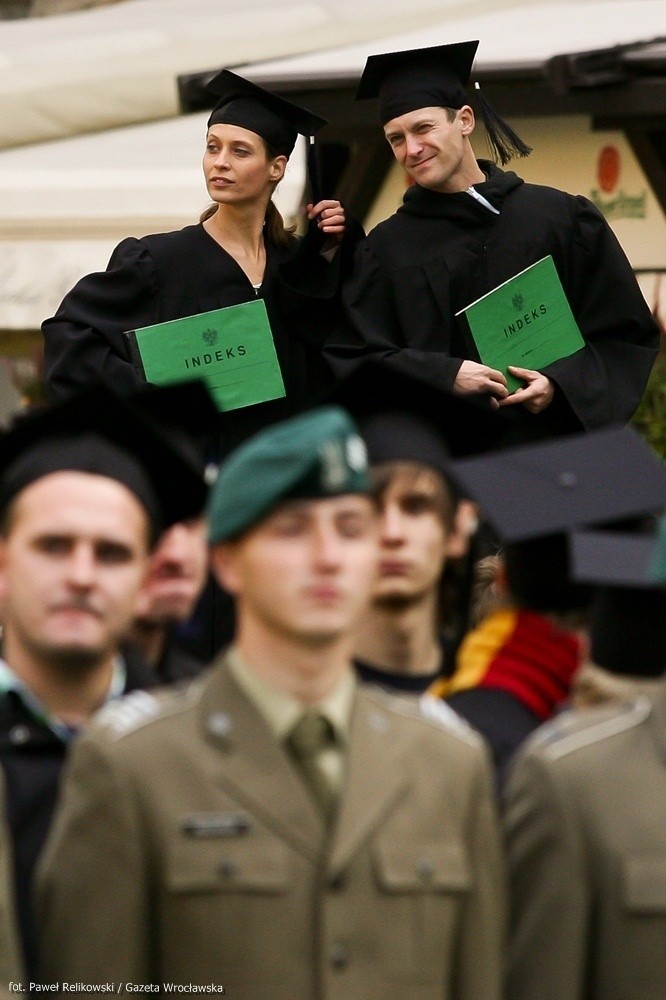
(221, 853)
(424, 888)
(223, 875)
(644, 884)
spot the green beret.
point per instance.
(314, 455)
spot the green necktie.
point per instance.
(312, 734)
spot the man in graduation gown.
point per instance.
(465, 227)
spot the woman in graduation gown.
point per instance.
(239, 250)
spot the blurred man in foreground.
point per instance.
(85, 490)
(282, 832)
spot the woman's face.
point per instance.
(237, 167)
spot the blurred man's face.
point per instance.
(414, 535)
(305, 573)
(72, 561)
(176, 575)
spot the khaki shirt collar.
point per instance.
(281, 710)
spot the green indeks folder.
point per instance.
(525, 321)
(230, 349)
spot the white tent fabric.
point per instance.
(113, 65)
(510, 36)
(64, 205)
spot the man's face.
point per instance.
(413, 536)
(176, 574)
(305, 573)
(71, 564)
(432, 148)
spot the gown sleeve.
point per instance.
(377, 310)
(84, 341)
(311, 281)
(604, 382)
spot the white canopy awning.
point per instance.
(512, 36)
(97, 69)
(66, 204)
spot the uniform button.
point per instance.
(339, 956)
(19, 735)
(335, 882)
(227, 868)
(425, 869)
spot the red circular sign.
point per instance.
(608, 168)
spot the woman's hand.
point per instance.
(330, 216)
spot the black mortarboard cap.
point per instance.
(401, 417)
(246, 104)
(186, 412)
(98, 432)
(405, 81)
(397, 435)
(584, 479)
(613, 558)
(626, 616)
(436, 76)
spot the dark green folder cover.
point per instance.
(525, 321)
(230, 349)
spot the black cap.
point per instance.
(584, 479)
(249, 106)
(613, 558)
(418, 78)
(397, 435)
(186, 412)
(629, 596)
(98, 432)
(436, 76)
(628, 606)
(401, 417)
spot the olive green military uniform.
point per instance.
(188, 850)
(9, 952)
(586, 828)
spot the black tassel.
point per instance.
(313, 171)
(504, 142)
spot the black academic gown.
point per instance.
(440, 252)
(167, 276)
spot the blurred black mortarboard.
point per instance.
(401, 418)
(275, 119)
(186, 413)
(98, 432)
(436, 76)
(626, 617)
(534, 496)
(613, 558)
(565, 483)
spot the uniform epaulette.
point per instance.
(139, 708)
(583, 727)
(431, 710)
(435, 710)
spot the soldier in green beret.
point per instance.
(276, 830)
